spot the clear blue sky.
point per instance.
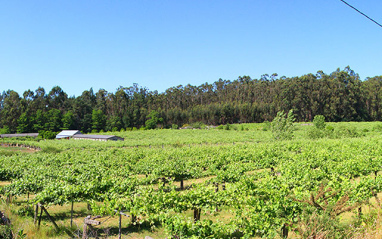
(163, 43)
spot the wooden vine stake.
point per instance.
(88, 222)
(39, 219)
(35, 215)
(9, 199)
(285, 231)
(43, 209)
(120, 227)
(71, 216)
(120, 222)
(197, 214)
(216, 191)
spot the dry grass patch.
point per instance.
(4, 183)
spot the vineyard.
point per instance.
(204, 183)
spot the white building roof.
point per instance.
(67, 133)
(18, 135)
(97, 137)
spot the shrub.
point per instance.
(282, 125)
(46, 134)
(174, 126)
(227, 126)
(5, 130)
(318, 224)
(319, 122)
(198, 125)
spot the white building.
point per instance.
(98, 137)
(67, 134)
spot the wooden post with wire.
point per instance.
(121, 213)
(89, 221)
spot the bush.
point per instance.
(282, 125)
(198, 125)
(318, 224)
(227, 127)
(5, 130)
(319, 122)
(174, 126)
(46, 134)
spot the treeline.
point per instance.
(339, 96)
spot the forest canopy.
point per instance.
(339, 96)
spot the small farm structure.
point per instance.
(98, 137)
(67, 134)
(19, 135)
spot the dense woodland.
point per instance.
(339, 96)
